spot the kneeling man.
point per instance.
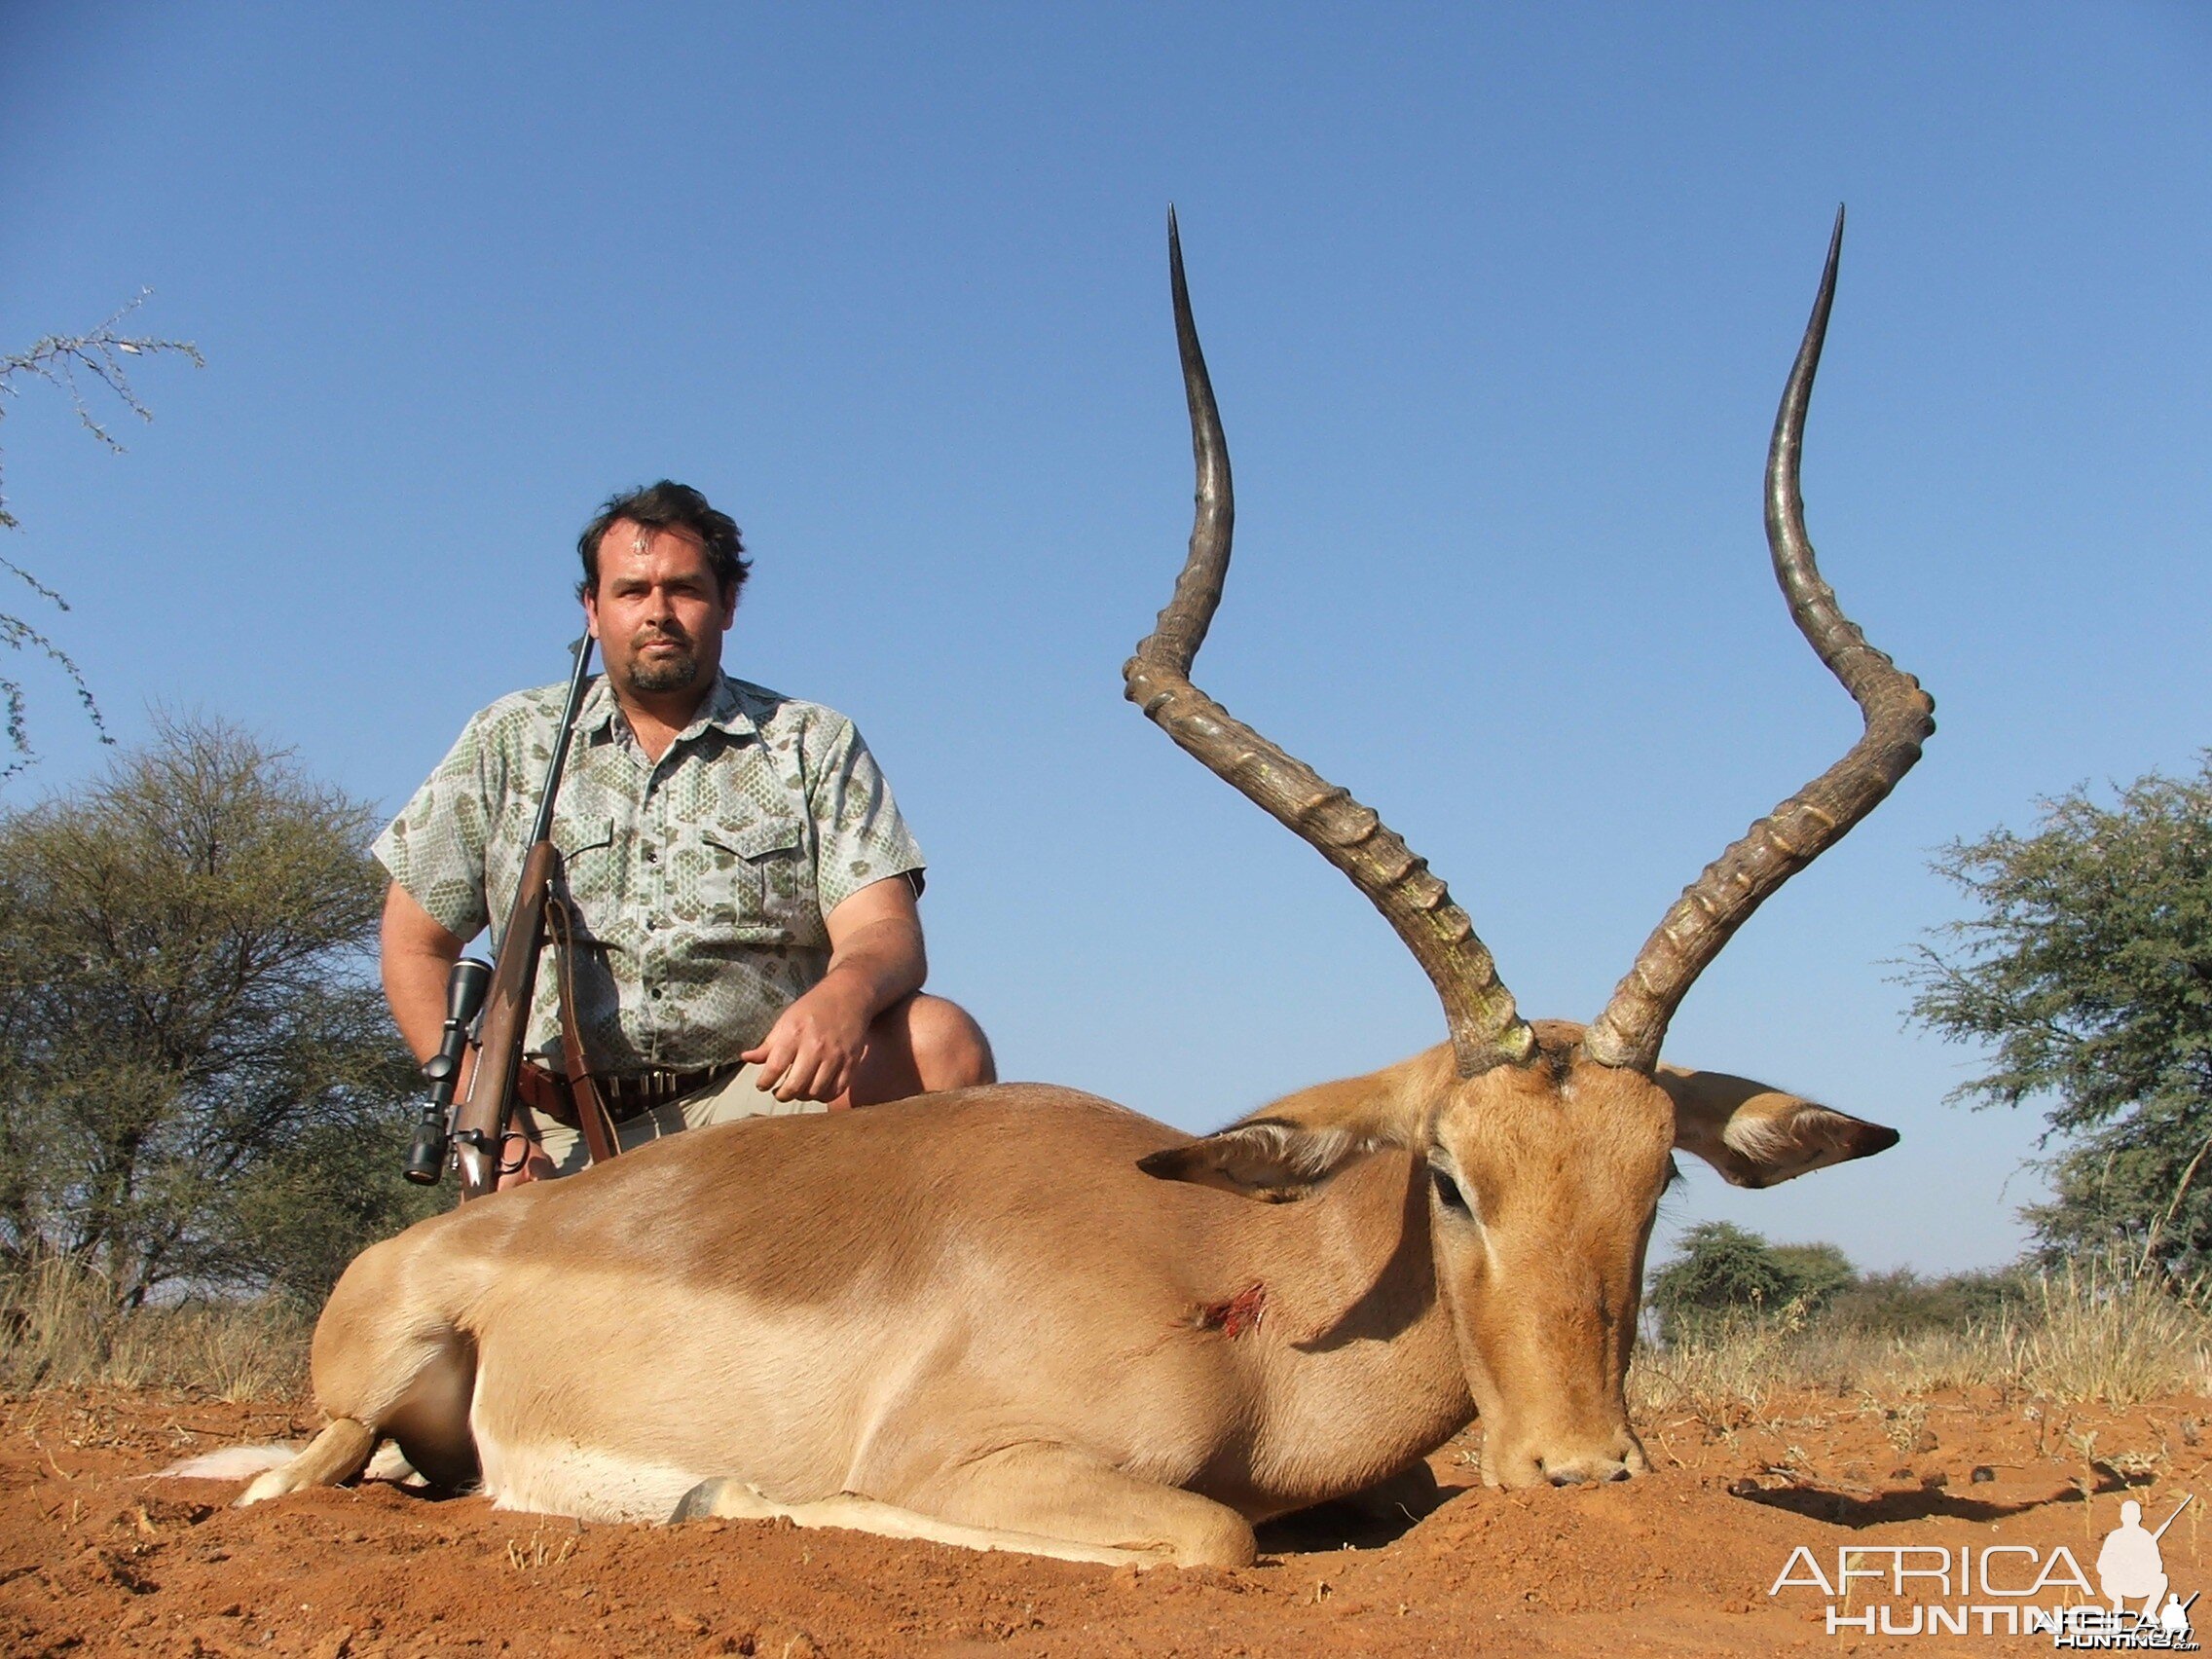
(742, 882)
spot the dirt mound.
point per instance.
(97, 1557)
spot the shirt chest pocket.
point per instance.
(585, 846)
(589, 869)
(756, 878)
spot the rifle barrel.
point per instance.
(480, 1125)
(579, 677)
(2175, 1516)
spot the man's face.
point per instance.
(658, 614)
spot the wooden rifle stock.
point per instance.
(480, 1126)
(480, 1122)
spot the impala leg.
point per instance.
(387, 1365)
(736, 1500)
(1036, 1498)
(412, 1393)
(1062, 1492)
(338, 1453)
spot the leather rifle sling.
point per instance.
(592, 1117)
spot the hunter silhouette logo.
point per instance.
(2130, 1568)
(2008, 1590)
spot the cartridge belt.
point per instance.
(627, 1097)
(547, 1092)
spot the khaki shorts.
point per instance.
(738, 1096)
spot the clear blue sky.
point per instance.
(1498, 301)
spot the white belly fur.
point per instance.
(581, 1481)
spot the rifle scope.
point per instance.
(465, 986)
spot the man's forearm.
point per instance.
(879, 964)
(875, 958)
(416, 960)
(414, 986)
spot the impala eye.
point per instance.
(1448, 1192)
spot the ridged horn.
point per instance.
(1486, 1030)
(1899, 717)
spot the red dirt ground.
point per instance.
(98, 1558)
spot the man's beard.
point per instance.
(663, 673)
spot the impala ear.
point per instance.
(1285, 1150)
(1263, 1159)
(1756, 1135)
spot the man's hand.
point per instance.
(809, 1054)
(875, 958)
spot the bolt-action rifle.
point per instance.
(471, 1135)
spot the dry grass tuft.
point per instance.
(1729, 1366)
(60, 1327)
(2097, 1330)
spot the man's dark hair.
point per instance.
(669, 505)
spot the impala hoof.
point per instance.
(273, 1482)
(724, 1499)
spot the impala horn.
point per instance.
(1486, 1030)
(1899, 717)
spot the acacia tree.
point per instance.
(198, 1083)
(1721, 1270)
(2087, 973)
(80, 366)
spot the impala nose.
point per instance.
(1574, 1474)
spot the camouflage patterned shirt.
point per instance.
(700, 882)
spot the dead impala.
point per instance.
(1024, 1317)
